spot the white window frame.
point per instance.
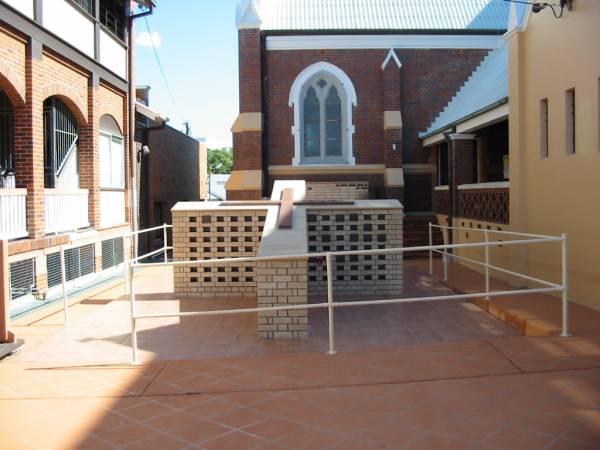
(338, 78)
(114, 184)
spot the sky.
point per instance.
(196, 41)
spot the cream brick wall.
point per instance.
(337, 191)
(216, 234)
(282, 283)
(356, 229)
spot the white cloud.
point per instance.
(145, 39)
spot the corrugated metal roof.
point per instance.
(486, 86)
(383, 14)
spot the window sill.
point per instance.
(327, 168)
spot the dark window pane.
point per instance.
(312, 125)
(333, 127)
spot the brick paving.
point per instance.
(493, 391)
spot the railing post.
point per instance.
(445, 257)
(165, 240)
(330, 302)
(430, 250)
(5, 335)
(134, 345)
(565, 288)
(126, 259)
(63, 277)
(487, 265)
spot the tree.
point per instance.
(220, 160)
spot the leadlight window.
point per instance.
(323, 121)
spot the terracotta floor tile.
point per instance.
(159, 442)
(127, 434)
(517, 439)
(234, 440)
(240, 418)
(309, 438)
(199, 431)
(273, 428)
(171, 420)
(434, 442)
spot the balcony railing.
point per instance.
(486, 202)
(13, 213)
(66, 210)
(112, 208)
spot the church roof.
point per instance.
(283, 15)
(487, 86)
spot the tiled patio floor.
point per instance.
(485, 389)
(100, 328)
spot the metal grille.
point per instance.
(60, 137)
(78, 263)
(22, 278)
(112, 16)
(6, 132)
(112, 253)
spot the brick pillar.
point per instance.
(89, 155)
(6, 336)
(246, 182)
(29, 142)
(461, 167)
(392, 126)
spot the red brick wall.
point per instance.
(173, 171)
(250, 70)
(247, 150)
(429, 79)
(42, 74)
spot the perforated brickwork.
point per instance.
(216, 234)
(342, 230)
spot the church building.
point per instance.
(336, 93)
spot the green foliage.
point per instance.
(220, 160)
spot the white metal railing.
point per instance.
(488, 266)
(66, 210)
(330, 305)
(13, 213)
(131, 235)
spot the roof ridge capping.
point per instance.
(248, 14)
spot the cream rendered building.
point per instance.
(553, 179)
(550, 60)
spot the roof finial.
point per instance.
(248, 14)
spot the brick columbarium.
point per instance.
(288, 228)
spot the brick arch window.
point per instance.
(322, 97)
(61, 135)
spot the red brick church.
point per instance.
(337, 92)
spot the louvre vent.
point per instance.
(22, 278)
(112, 253)
(78, 263)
